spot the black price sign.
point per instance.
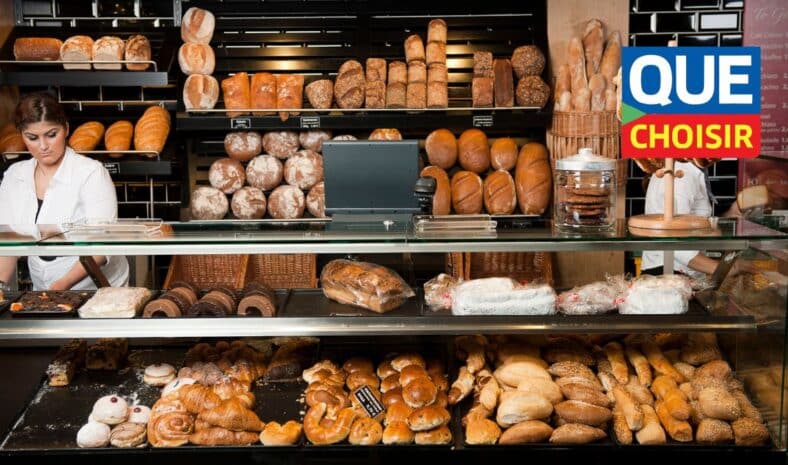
(368, 401)
(240, 123)
(483, 121)
(112, 168)
(310, 122)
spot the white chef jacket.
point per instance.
(690, 197)
(80, 189)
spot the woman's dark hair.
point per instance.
(37, 107)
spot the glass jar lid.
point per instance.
(586, 161)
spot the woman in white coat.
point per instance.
(56, 186)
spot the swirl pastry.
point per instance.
(171, 429)
(163, 406)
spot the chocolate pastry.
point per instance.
(186, 293)
(206, 308)
(226, 290)
(68, 358)
(222, 299)
(107, 354)
(259, 302)
(164, 306)
(178, 300)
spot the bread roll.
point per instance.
(208, 203)
(718, 369)
(575, 433)
(482, 431)
(414, 49)
(262, 91)
(197, 26)
(503, 154)
(652, 432)
(196, 58)
(714, 431)
(227, 175)
(289, 94)
(532, 92)
(466, 193)
(500, 197)
(109, 48)
(719, 403)
(397, 433)
(286, 202)
(304, 169)
(77, 48)
(575, 411)
(37, 49)
(200, 92)
(316, 200)
(152, 129)
(504, 83)
(243, 145)
(398, 73)
(396, 95)
(620, 427)
(281, 144)
(320, 93)
(519, 406)
(11, 140)
(574, 391)
(118, 136)
(482, 89)
(593, 43)
(427, 418)
(86, 136)
(543, 387)
(440, 435)
(416, 96)
(533, 179)
(437, 31)
(474, 151)
(137, 49)
(237, 94)
(248, 203)
(441, 201)
(526, 432)
(513, 373)
(441, 148)
(264, 172)
(749, 432)
(678, 430)
(436, 52)
(629, 408)
(350, 85)
(528, 60)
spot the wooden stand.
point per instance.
(667, 224)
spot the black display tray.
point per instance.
(51, 314)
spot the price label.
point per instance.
(310, 122)
(241, 123)
(369, 402)
(112, 168)
(483, 121)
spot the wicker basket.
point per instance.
(205, 271)
(521, 266)
(284, 271)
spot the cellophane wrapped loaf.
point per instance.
(365, 285)
(656, 295)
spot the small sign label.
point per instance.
(112, 168)
(369, 402)
(310, 122)
(483, 121)
(240, 123)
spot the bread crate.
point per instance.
(284, 271)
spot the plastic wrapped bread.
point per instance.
(592, 299)
(365, 285)
(437, 292)
(115, 302)
(502, 296)
(656, 295)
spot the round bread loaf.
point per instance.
(532, 92)
(248, 203)
(208, 203)
(281, 144)
(313, 140)
(503, 154)
(345, 137)
(441, 201)
(264, 172)
(441, 147)
(11, 140)
(304, 169)
(197, 25)
(466, 193)
(528, 60)
(227, 175)
(196, 58)
(200, 92)
(474, 151)
(286, 202)
(316, 200)
(243, 145)
(500, 196)
(385, 134)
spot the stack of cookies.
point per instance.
(586, 206)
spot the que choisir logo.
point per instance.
(691, 102)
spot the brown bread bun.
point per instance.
(503, 154)
(500, 197)
(441, 201)
(474, 151)
(466, 193)
(441, 147)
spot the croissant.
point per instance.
(336, 432)
(275, 434)
(228, 388)
(87, 136)
(171, 429)
(222, 437)
(233, 415)
(196, 398)
(118, 136)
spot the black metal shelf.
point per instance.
(74, 78)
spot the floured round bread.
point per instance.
(243, 146)
(304, 169)
(286, 202)
(208, 203)
(316, 200)
(313, 140)
(264, 172)
(248, 203)
(227, 175)
(281, 144)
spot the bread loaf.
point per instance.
(208, 203)
(597, 85)
(533, 179)
(436, 52)
(109, 48)
(532, 91)
(577, 65)
(369, 286)
(563, 81)
(593, 44)
(398, 72)
(437, 31)
(474, 151)
(316, 200)
(482, 89)
(236, 93)
(313, 140)
(375, 94)
(414, 49)
(396, 95)
(152, 129)
(197, 26)
(264, 172)
(611, 100)
(385, 134)
(504, 85)
(441, 201)
(320, 93)
(77, 48)
(263, 93)
(11, 140)
(289, 94)
(227, 175)
(518, 406)
(281, 144)
(417, 72)
(286, 202)
(581, 100)
(611, 58)
(526, 432)
(503, 154)
(86, 136)
(678, 430)
(304, 169)
(200, 92)
(564, 102)
(528, 60)
(482, 64)
(499, 193)
(243, 146)
(137, 49)
(376, 69)
(466, 193)
(437, 95)
(118, 136)
(652, 432)
(438, 72)
(248, 203)
(416, 95)
(350, 85)
(196, 59)
(441, 148)
(37, 48)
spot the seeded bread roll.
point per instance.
(528, 60)
(320, 93)
(532, 91)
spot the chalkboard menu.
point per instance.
(766, 26)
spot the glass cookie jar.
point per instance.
(585, 192)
